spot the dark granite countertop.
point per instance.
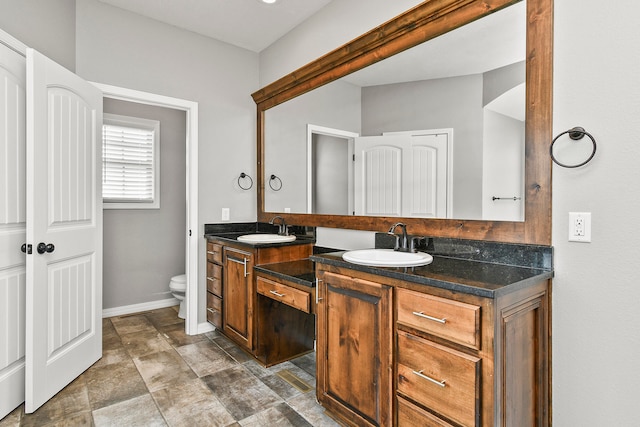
(301, 271)
(233, 238)
(459, 275)
(231, 231)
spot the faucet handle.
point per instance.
(415, 242)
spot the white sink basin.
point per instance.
(387, 258)
(265, 238)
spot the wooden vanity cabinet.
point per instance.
(238, 295)
(391, 352)
(214, 284)
(234, 263)
(354, 347)
(285, 319)
(472, 361)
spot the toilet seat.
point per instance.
(178, 283)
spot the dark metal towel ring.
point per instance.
(278, 181)
(576, 133)
(242, 176)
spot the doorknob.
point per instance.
(26, 249)
(43, 247)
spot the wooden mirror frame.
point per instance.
(424, 22)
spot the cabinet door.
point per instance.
(354, 345)
(238, 296)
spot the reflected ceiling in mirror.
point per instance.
(462, 97)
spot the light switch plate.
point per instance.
(225, 214)
(580, 227)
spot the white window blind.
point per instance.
(130, 169)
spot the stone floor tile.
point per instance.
(140, 344)
(12, 419)
(280, 415)
(132, 323)
(241, 392)
(139, 411)
(162, 369)
(114, 383)
(176, 336)
(307, 406)
(205, 358)
(81, 419)
(71, 400)
(191, 404)
(163, 317)
(306, 362)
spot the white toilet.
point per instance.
(178, 287)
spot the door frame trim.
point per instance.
(192, 327)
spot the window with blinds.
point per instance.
(130, 163)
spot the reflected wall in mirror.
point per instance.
(485, 140)
(466, 89)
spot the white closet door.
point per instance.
(378, 174)
(12, 229)
(425, 177)
(64, 225)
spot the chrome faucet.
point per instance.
(283, 230)
(401, 246)
(404, 243)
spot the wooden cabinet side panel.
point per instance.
(523, 364)
(355, 329)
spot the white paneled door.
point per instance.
(12, 228)
(64, 227)
(401, 174)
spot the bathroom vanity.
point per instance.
(455, 342)
(235, 294)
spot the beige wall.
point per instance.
(596, 325)
(49, 26)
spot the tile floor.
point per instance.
(153, 374)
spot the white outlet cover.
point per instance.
(580, 233)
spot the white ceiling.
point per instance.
(250, 24)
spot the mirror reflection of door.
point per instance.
(330, 169)
(403, 174)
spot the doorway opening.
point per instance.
(190, 108)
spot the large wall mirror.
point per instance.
(440, 118)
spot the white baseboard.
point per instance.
(205, 327)
(137, 308)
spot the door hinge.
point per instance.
(354, 157)
(189, 233)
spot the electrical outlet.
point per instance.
(579, 226)
(225, 214)
(287, 210)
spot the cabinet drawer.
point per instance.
(214, 302)
(214, 317)
(214, 252)
(214, 279)
(452, 320)
(410, 415)
(285, 294)
(444, 380)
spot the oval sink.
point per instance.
(265, 238)
(387, 258)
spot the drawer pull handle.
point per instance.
(212, 253)
(421, 375)
(424, 316)
(276, 294)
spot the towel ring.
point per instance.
(278, 183)
(575, 134)
(242, 176)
